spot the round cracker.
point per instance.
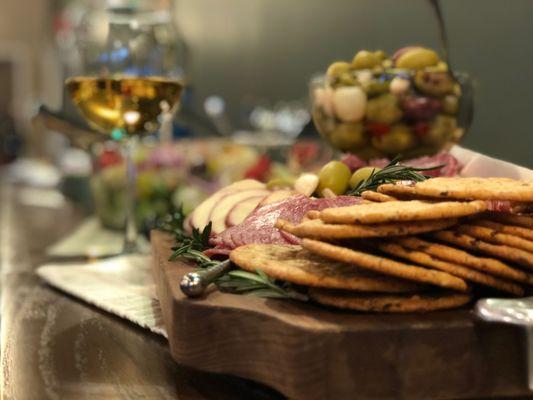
(519, 231)
(377, 197)
(400, 189)
(388, 303)
(293, 264)
(385, 266)
(520, 220)
(456, 256)
(393, 211)
(476, 188)
(522, 208)
(318, 229)
(520, 257)
(493, 236)
(461, 271)
(313, 214)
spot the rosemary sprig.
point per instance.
(391, 173)
(190, 247)
(257, 284)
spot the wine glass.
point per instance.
(130, 76)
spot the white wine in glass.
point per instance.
(130, 74)
(130, 105)
(123, 107)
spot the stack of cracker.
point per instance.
(418, 247)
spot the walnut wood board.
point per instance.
(55, 346)
(310, 352)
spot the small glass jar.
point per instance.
(384, 110)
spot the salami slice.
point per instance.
(259, 227)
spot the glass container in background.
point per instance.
(382, 110)
(130, 79)
(407, 104)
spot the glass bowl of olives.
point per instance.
(376, 106)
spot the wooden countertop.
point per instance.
(56, 347)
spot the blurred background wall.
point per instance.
(269, 49)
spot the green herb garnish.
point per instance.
(391, 173)
(191, 247)
(257, 284)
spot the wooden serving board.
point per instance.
(310, 352)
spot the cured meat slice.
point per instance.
(449, 162)
(259, 227)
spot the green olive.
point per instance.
(417, 58)
(440, 67)
(434, 83)
(387, 63)
(366, 60)
(381, 55)
(348, 136)
(375, 88)
(450, 104)
(384, 109)
(338, 68)
(347, 79)
(397, 140)
(441, 131)
(334, 176)
(280, 183)
(362, 174)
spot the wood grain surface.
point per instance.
(310, 352)
(56, 347)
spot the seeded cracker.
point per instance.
(461, 271)
(493, 236)
(313, 214)
(385, 266)
(509, 229)
(393, 211)
(451, 254)
(377, 197)
(299, 266)
(388, 303)
(318, 229)
(525, 221)
(472, 188)
(400, 189)
(520, 257)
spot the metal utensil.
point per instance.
(194, 284)
(511, 311)
(467, 109)
(443, 35)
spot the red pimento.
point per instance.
(260, 169)
(421, 128)
(377, 128)
(108, 157)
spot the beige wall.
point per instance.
(25, 23)
(24, 29)
(271, 48)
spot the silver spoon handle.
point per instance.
(194, 284)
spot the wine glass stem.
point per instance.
(131, 233)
